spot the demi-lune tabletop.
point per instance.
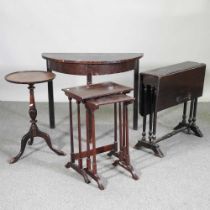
(92, 58)
(29, 77)
(90, 64)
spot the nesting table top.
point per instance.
(85, 92)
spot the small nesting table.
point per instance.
(93, 96)
(30, 78)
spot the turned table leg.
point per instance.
(71, 164)
(34, 131)
(136, 95)
(193, 125)
(183, 123)
(93, 172)
(124, 156)
(51, 100)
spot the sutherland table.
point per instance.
(93, 64)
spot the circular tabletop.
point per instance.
(92, 58)
(29, 77)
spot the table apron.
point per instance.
(93, 69)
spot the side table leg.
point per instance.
(47, 139)
(136, 95)
(51, 104)
(24, 140)
(31, 141)
(51, 101)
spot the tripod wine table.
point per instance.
(30, 78)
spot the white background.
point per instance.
(166, 31)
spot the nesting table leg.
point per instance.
(124, 157)
(88, 160)
(71, 131)
(93, 173)
(71, 163)
(79, 136)
(114, 151)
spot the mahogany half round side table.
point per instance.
(30, 78)
(90, 64)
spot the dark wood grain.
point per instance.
(174, 69)
(111, 99)
(30, 77)
(91, 64)
(85, 92)
(92, 58)
(166, 87)
(175, 84)
(93, 96)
